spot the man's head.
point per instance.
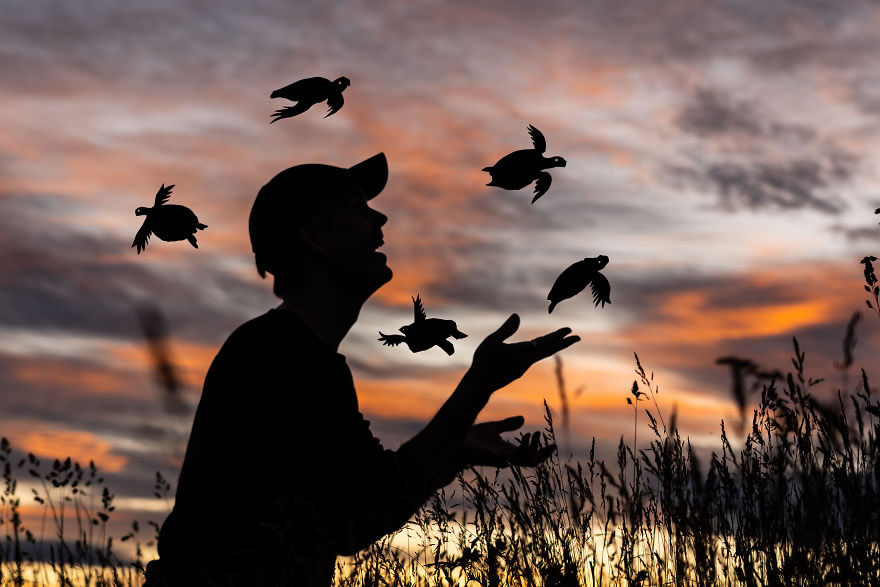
(315, 218)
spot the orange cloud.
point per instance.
(129, 362)
(690, 316)
(86, 379)
(406, 398)
(796, 297)
(189, 358)
(411, 276)
(55, 443)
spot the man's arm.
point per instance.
(392, 485)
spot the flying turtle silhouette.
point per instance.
(520, 168)
(424, 333)
(576, 277)
(308, 92)
(168, 222)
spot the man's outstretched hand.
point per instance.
(497, 363)
(483, 445)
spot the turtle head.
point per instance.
(556, 162)
(405, 329)
(601, 261)
(342, 82)
(141, 211)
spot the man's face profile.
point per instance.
(348, 241)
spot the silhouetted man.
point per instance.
(281, 473)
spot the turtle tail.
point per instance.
(201, 226)
(458, 334)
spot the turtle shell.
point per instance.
(517, 170)
(311, 89)
(173, 223)
(436, 327)
(571, 282)
(429, 331)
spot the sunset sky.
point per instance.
(723, 155)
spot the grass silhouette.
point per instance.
(798, 502)
(73, 545)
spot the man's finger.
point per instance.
(531, 458)
(507, 424)
(505, 331)
(552, 336)
(552, 347)
(546, 452)
(548, 341)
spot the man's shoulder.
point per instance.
(266, 331)
(250, 349)
(259, 326)
(274, 331)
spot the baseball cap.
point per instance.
(292, 198)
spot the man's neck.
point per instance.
(327, 312)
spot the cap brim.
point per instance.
(371, 175)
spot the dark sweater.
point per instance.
(282, 473)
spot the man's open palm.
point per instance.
(497, 363)
(483, 445)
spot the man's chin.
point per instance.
(377, 276)
(384, 275)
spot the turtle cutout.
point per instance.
(169, 222)
(308, 92)
(578, 276)
(424, 332)
(520, 168)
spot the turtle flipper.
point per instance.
(418, 308)
(391, 339)
(538, 140)
(446, 346)
(552, 305)
(334, 102)
(542, 185)
(163, 194)
(143, 236)
(192, 240)
(601, 290)
(290, 111)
